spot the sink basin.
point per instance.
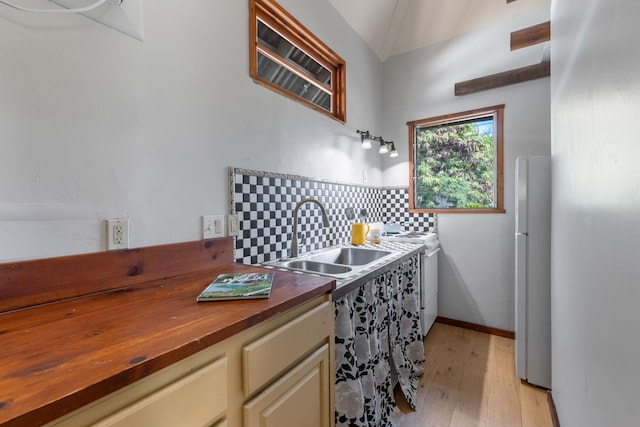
(317, 267)
(340, 262)
(349, 256)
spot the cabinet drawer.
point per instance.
(195, 400)
(271, 354)
(300, 398)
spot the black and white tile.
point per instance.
(265, 203)
(396, 208)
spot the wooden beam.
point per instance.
(531, 35)
(505, 78)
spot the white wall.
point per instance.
(477, 262)
(595, 93)
(95, 124)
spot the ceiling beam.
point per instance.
(505, 78)
(531, 35)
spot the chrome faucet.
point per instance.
(294, 241)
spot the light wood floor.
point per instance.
(470, 381)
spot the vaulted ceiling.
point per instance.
(392, 27)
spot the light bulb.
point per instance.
(394, 152)
(365, 139)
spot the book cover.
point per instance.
(238, 286)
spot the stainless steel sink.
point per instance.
(349, 256)
(341, 263)
(317, 267)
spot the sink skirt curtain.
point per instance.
(382, 314)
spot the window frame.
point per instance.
(498, 112)
(279, 20)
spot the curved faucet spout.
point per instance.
(325, 222)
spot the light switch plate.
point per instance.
(233, 225)
(213, 226)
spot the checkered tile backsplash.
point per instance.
(265, 202)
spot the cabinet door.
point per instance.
(195, 400)
(268, 357)
(301, 398)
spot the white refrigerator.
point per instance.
(533, 270)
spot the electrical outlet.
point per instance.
(117, 234)
(233, 225)
(212, 226)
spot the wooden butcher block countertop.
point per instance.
(74, 329)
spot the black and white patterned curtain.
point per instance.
(376, 325)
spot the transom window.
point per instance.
(456, 162)
(288, 58)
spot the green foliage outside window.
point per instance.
(455, 165)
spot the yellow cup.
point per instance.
(359, 233)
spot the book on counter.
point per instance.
(238, 286)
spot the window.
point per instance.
(456, 163)
(289, 59)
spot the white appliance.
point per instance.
(428, 274)
(533, 270)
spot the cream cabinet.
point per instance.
(277, 373)
(299, 398)
(302, 392)
(183, 402)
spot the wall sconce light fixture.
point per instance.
(385, 146)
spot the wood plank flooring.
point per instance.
(470, 381)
